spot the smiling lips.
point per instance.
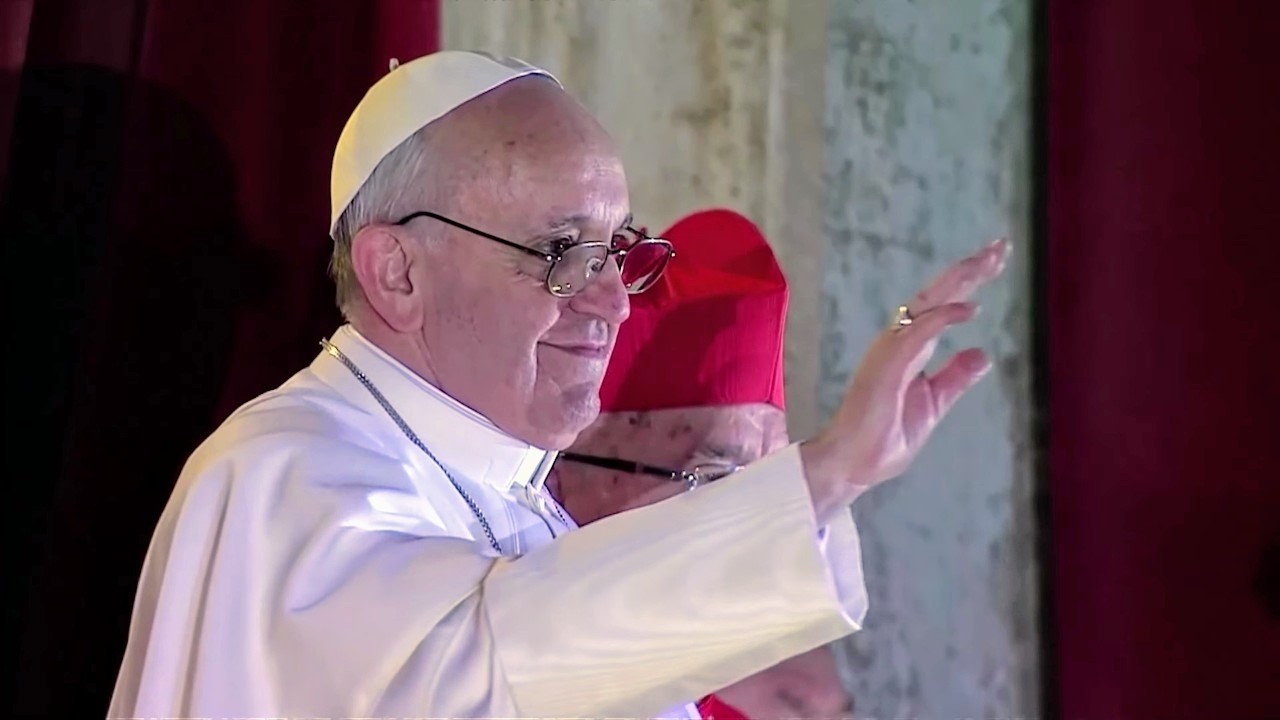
(584, 350)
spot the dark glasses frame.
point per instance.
(691, 478)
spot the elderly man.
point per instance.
(694, 392)
(374, 537)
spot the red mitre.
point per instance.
(709, 333)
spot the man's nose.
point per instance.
(605, 296)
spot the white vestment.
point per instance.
(313, 562)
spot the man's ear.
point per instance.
(382, 257)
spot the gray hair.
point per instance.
(381, 199)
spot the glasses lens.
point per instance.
(578, 266)
(643, 264)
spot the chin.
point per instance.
(555, 439)
(557, 423)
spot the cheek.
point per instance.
(647, 491)
(669, 443)
(495, 336)
(522, 325)
(775, 441)
(509, 311)
(765, 428)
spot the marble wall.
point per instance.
(927, 157)
(874, 141)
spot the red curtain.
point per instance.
(1164, 147)
(166, 208)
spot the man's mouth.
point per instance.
(586, 351)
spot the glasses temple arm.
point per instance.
(623, 466)
(487, 236)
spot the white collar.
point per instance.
(464, 440)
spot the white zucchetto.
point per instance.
(408, 98)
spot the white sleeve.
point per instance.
(676, 600)
(257, 600)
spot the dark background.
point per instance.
(1160, 266)
(164, 168)
(165, 208)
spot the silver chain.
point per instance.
(404, 427)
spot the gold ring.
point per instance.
(903, 318)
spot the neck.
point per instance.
(408, 349)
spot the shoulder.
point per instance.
(302, 433)
(297, 462)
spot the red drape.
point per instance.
(1164, 147)
(165, 207)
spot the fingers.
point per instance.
(918, 338)
(960, 373)
(958, 282)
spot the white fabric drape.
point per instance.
(312, 562)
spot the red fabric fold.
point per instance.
(710, 332)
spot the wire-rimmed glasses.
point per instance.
(571, 267)
(698, 475)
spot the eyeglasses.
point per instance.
(692, 478)
(571, 267)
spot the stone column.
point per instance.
(927, 128)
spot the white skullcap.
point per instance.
(405, 100)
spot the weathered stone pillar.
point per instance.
(927, 130)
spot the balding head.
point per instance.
(476, 148)
(528, 164)
(518, 141)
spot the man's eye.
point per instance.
(560, 244)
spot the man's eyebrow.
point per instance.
(736, 453)
(568, 221)
(565, 221)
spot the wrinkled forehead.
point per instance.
(559, 187)
(738, 434)
(529, 148)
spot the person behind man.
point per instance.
(694, 391)
(374, 538)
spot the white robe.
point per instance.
(313, 562)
